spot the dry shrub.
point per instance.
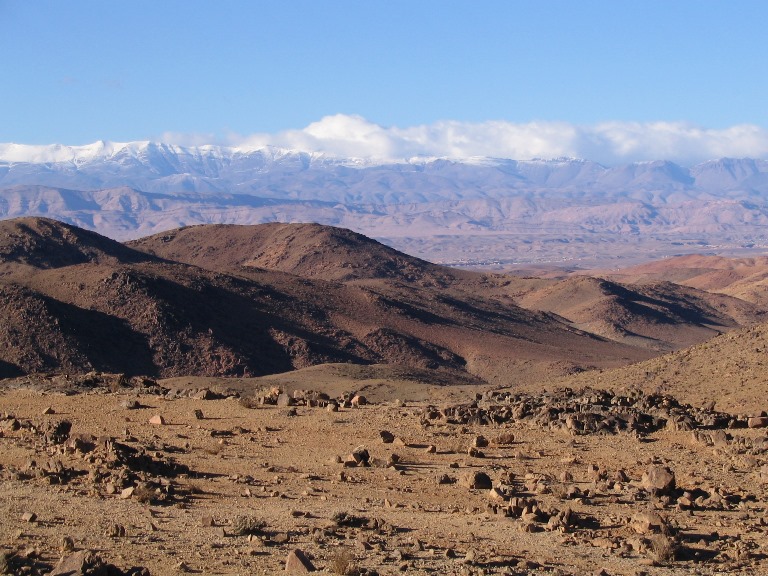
(505, 438)
(244, 525)
(342, 562)
(663, 548)
(249, 402)
(144, 494)
(195, 488)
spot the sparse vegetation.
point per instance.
(342, 562)
(245, 525)
(663, 548)
(145, 493)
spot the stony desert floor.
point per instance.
(467, 481)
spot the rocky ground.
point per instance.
(131, 476)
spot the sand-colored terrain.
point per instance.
(182, 496)
(214, 399)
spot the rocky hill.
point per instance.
(729, 371)
(86, 302)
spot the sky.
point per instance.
(607, 80)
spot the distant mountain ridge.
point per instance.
(166, 168)
(447, 210)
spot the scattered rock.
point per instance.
(284, 400)
(298, 563)
(505, 438)
(358, 400)
(157, 420)
(758, 422)
(480, 442)
(361, 456)
(658, 480)
(387, 437)
(67, 544)
(476, 480)
(648, 522)
(85, 563)
(116, 531)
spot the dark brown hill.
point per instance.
(744, 278)
(44, 243)
(307, 250)
(87, 302)
(660, 315)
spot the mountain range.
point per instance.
(477, 211)
(224, 300)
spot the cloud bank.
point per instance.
(609, 143)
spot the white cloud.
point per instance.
(608, 142)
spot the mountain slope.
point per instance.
(729, 370)
(744, 278)
(96, 304)
(307, 250)
(663, 316)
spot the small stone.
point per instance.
(658, 480)
(648, 522)
(298, 563)
(157, 420)
(757, 422)
(116, 531)
(476, 480)
(127, 492)
(49, 410)
(497, 495)
(359, 400)
(505, 438)
(361, 456)
(82, 562)
(29, 517)
(475, 453)
(387, 437)
(198, 414)
(480, 442)
(204, 394)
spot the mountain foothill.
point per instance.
(231, 300)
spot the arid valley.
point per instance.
(255, 399)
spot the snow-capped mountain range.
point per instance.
(126, 190)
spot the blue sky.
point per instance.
(249, 71)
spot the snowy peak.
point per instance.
(283, 174)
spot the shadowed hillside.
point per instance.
(79, 301)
